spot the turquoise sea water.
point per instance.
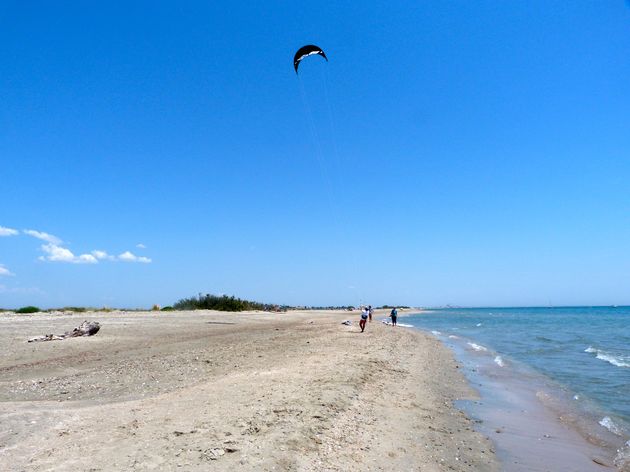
(585, 351)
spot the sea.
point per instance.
(553, 376)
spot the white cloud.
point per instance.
(55, 252)
(87, 259)
(26, 290)
(49, 238)
(8, 231)
(61, 254)
(102, 255)
(129, 257)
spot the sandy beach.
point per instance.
(223, 391)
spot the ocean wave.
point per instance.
(618, 361)
(452, 336)
(499, 361)
(611, 426)
(435, 333)
(477, 347)
(478, 324)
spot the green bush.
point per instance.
(168, 308)
(28, 309)
(76, 309)
(223, 303)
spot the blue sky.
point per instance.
(471, 153)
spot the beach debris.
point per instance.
(600, 461)
(346, 322)
(213, 454)
(87, 328)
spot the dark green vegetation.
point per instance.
(201, 302)
(28, 309)
(76, 309)
(223, 303)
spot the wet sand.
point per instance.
(531, 420)
(219, 391)
(530, 434)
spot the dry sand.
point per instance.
(216, 391)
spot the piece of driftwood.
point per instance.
(87, 328)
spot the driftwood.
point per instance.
(87, 328)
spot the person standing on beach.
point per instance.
(364, 317)
(393, 315)
(370, 313)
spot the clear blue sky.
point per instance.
(471, 153)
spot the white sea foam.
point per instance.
(435, 333)
(389, 323)
(610, 425)
(477, 347)
(499, 361)
(622, 460)
(623, 457)
(618, 361)
(478, 324)
(452, 336)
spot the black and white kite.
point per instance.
(307, 51)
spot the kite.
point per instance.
(307, 51)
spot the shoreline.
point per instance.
(530, 417)
(235, 391)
